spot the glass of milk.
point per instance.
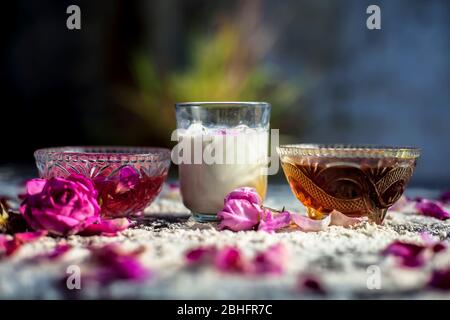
(221, 146)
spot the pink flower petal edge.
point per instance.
(445, 197)
(106, 227)
(308, 224)
(244, 193)
(230, 259)
(412, 255)
(271, 222)
(10, 246)
(243, 211)
(112, 263)
(433, 209)
(440, 279)
(340, 219)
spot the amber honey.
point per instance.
(355, 186)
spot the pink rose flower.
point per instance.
(242, 210)
(60, 206)
(244, 193)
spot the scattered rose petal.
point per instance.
(128, 179)
(340, 219)
(113, 263)
(409, 254)
(10, 246)
(308, 224)
(106, 227)
(60, 250)
(432, 209)
(271, 222)
(239, 215)
(200, 255)
(270, 261)
(440, 279)
(35, 186)
(430, 242)
(310, 283)
(229, 259)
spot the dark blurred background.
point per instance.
(328, 77)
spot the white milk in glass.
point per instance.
(221, 160)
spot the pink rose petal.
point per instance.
(340, 219)
(128, 179)
(229, 259)
(409, 254)
(111, 263)
(200, 255)
(10, 246)
(440, 279)
(445, 197)
(430, 242)
(432, 209)
(270, 261)
(271, 222)
(308, 224)
(57, 252)
(106, 227)
(35, 186)
(310, 283)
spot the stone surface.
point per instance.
(339, 257)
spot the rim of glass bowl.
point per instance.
(348, 151)
(213, 104)
(103, 154)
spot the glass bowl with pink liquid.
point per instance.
(127, 179)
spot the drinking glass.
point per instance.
(221, 146)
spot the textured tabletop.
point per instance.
(342, 259)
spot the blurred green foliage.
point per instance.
(221, 67)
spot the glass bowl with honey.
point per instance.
(356, 180)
